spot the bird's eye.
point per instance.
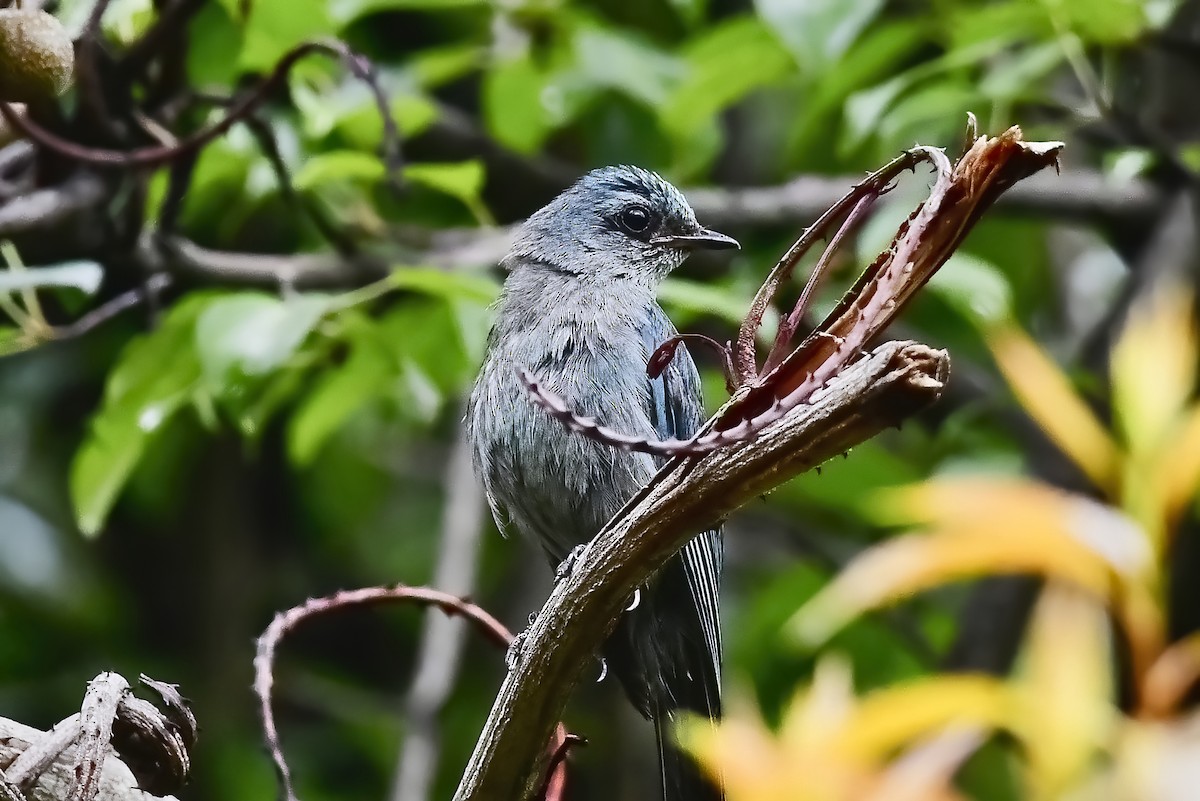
(635, 219)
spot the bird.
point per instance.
(579, 311)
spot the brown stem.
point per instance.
(789, 325)
(161, 154)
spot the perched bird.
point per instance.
(579, 311)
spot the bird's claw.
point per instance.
(513, 654)
(567, 565)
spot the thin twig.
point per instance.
(154, 286)
(157, 155)
(284, 622)
(664, 353)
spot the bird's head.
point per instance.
(618, 222)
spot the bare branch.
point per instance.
(76, 760)
(162, 154)
(264, 660)
(104, 695)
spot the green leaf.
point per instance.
(1105, 22)
(438, 65)
(155, 376)
(275, 28)
(974, 286)
(478, 288)
(724, 64)
(1019, 73)
(83, 275)
(999, 25)
(346, 11)
(349, 107)
(608, 58)
(338, 165)
(817, 32)
(252, 334)
(338, 394)
(462, 180)
(425, 339)
(11, 340)
(516, 107)
(706, 299)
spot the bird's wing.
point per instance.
(677, 410)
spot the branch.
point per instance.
(162, 154)
(284, 622)
(1076, 194)
(117, 744)
(157, 253)
(686, 496)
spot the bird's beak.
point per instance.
(703, 238)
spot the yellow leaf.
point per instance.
(893, 717)
(1178, 467)
(1052, 402)
(911, 564)
(1065, 712)
(981, 527)
(996, 506)
(1154, 368)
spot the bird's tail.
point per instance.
(683, 779)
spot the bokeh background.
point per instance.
(283, 420)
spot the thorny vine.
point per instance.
(790, 377)
(554, 782)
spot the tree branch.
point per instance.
(687, 495)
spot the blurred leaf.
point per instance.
(891, 718)
(817, 32)
(832, 746)
(1177, 470)
(979, 504)
(462, 180)
(154, 378)
(974, 286)
(1107, 22)
(608, 57)
(1002, 24)
(1154, 368)
(705, 299)
(478, 288)
(346, 11)
(252, 334)
(435, 66)
(1048, 397)
(983, 527)
(82, 275)
(724, 64)
(338, 394)
(11, 340)
(338, 165)
(520, 105)
(1066, 717)
(1022, 71)
(275, 28)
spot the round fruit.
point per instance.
(37, 60)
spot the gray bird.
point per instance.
(579, 310)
